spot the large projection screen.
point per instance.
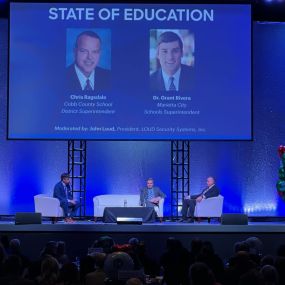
(130, 71)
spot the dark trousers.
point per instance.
(188, 207)
(70, 209)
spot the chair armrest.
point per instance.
(48, 206)
(211, 207)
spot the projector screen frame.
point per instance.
(9, 137)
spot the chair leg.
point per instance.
(160, 219)
(54, 220)
(209, 220)
(95, 219)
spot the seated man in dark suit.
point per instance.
(172, 74)
(85, 74)
(150, 195)
(189, 202)
(62, 191)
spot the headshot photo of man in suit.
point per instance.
(84, 74)
(171, 75)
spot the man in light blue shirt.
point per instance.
(150, 195)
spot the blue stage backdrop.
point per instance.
(246, 172)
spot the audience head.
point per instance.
(270, 275)
(13, 266)
(267, 260)
(255, 245)
(196, 246)
(50, 249)
(15, 246)
(117, 261)
(207, 248)
(242, 262)
(99, 259)
(241, 246)
(104, 242)
(200, 274)
(173, 244)
(134, 241)
(61, 247)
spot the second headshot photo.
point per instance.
(171, 60)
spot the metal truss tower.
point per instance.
(77, 172)
(180, 174)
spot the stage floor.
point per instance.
(164, 227)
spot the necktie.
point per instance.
(66, 191)
(172, 86)
(88, 85)
(206, 190)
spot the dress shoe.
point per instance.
(181, 220)
(69, 220)
(188, 221)
(72, 220)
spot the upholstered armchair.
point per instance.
(210, 208)
(48, 206)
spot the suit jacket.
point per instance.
(60, 194)
(185, 80)
(213, 192)
(143, 194)
(102, 80)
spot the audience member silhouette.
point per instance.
(175, 262)
(61, 255)
(270, 275)
(212, 260)
(199, 266)
(69, 274)
(98, 276)
(200, 274)
(49, 271)
(252, 277)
